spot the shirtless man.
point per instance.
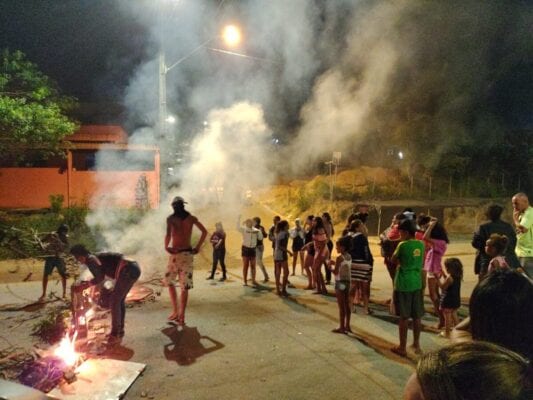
(180, 263)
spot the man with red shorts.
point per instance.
(180, 263)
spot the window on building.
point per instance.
(113, 160)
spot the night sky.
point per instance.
(89, 47)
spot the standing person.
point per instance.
(119, 273)
(388, 240)
(272, 232)
(362, 265)
(523, 221)
(495, 248)
(309, 253)
(341, 271)
(450, 283)
(55, 243)
(250, 236)
(436, 238)
(408, 286)
(482, 234)
(320, 240)
(297, 235)
(280, 257)
(260, 249)
(330, 232)
(180, 263)
(218, 240)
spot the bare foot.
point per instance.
(284, 293)
(338, 330)
(41, 299)
(173, 316)
(416, 349)
(401, 352)
(348, 330)
(254, 283)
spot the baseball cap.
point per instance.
(178, 199)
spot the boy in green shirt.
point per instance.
(408, 286)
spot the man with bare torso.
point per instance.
(180, 263)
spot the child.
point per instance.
(495, 249)
(218, 240)
(408, 286)
(342, 283)
(450, 283)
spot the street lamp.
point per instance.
(231, 35)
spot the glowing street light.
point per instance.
(230, 35)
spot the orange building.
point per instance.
(100, 170)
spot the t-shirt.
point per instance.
(524, 241)
(409, 273)
(216, 237)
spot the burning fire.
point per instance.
(66, 350)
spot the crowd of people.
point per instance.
(500, 322)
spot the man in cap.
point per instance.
(180, 263)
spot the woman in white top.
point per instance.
(250, 236)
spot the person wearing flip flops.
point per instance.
(408, 286)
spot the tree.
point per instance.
(32, 110)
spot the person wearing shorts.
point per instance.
(408, 286)
(180, 264)
(55, 243)
(250, 238)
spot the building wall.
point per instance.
(31, 187)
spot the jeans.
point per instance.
(128, 276)
(218, 256)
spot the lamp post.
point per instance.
(231, 35)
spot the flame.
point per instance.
(66, 350)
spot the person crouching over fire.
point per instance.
(119, 274)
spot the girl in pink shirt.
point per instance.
(495, 248)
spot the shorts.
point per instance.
(181, 266)
(409, 304)
(248, 252)
(342, 286)
(55, 262)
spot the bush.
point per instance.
(56, 202)
(303, 202)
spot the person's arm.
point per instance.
(444, 283)
(202, 229)
(523, 224)
(168, 236)
(431, 225)
(337, 263)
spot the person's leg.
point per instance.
(340, 305)
(252, 266)
(455, 318)
(259, 252)
(277, 273)
(402, 329)
(294, 259)
(347, 311)
(364, 294)
(45, 285)
(183, 304)
(285, 281)
(223, 264)
(123, 285)
(214, 266)
(353, 288)
(448, 322)
(417, 328)
(173, 301)
(245, 263)
(64, 285)
(302, 255)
